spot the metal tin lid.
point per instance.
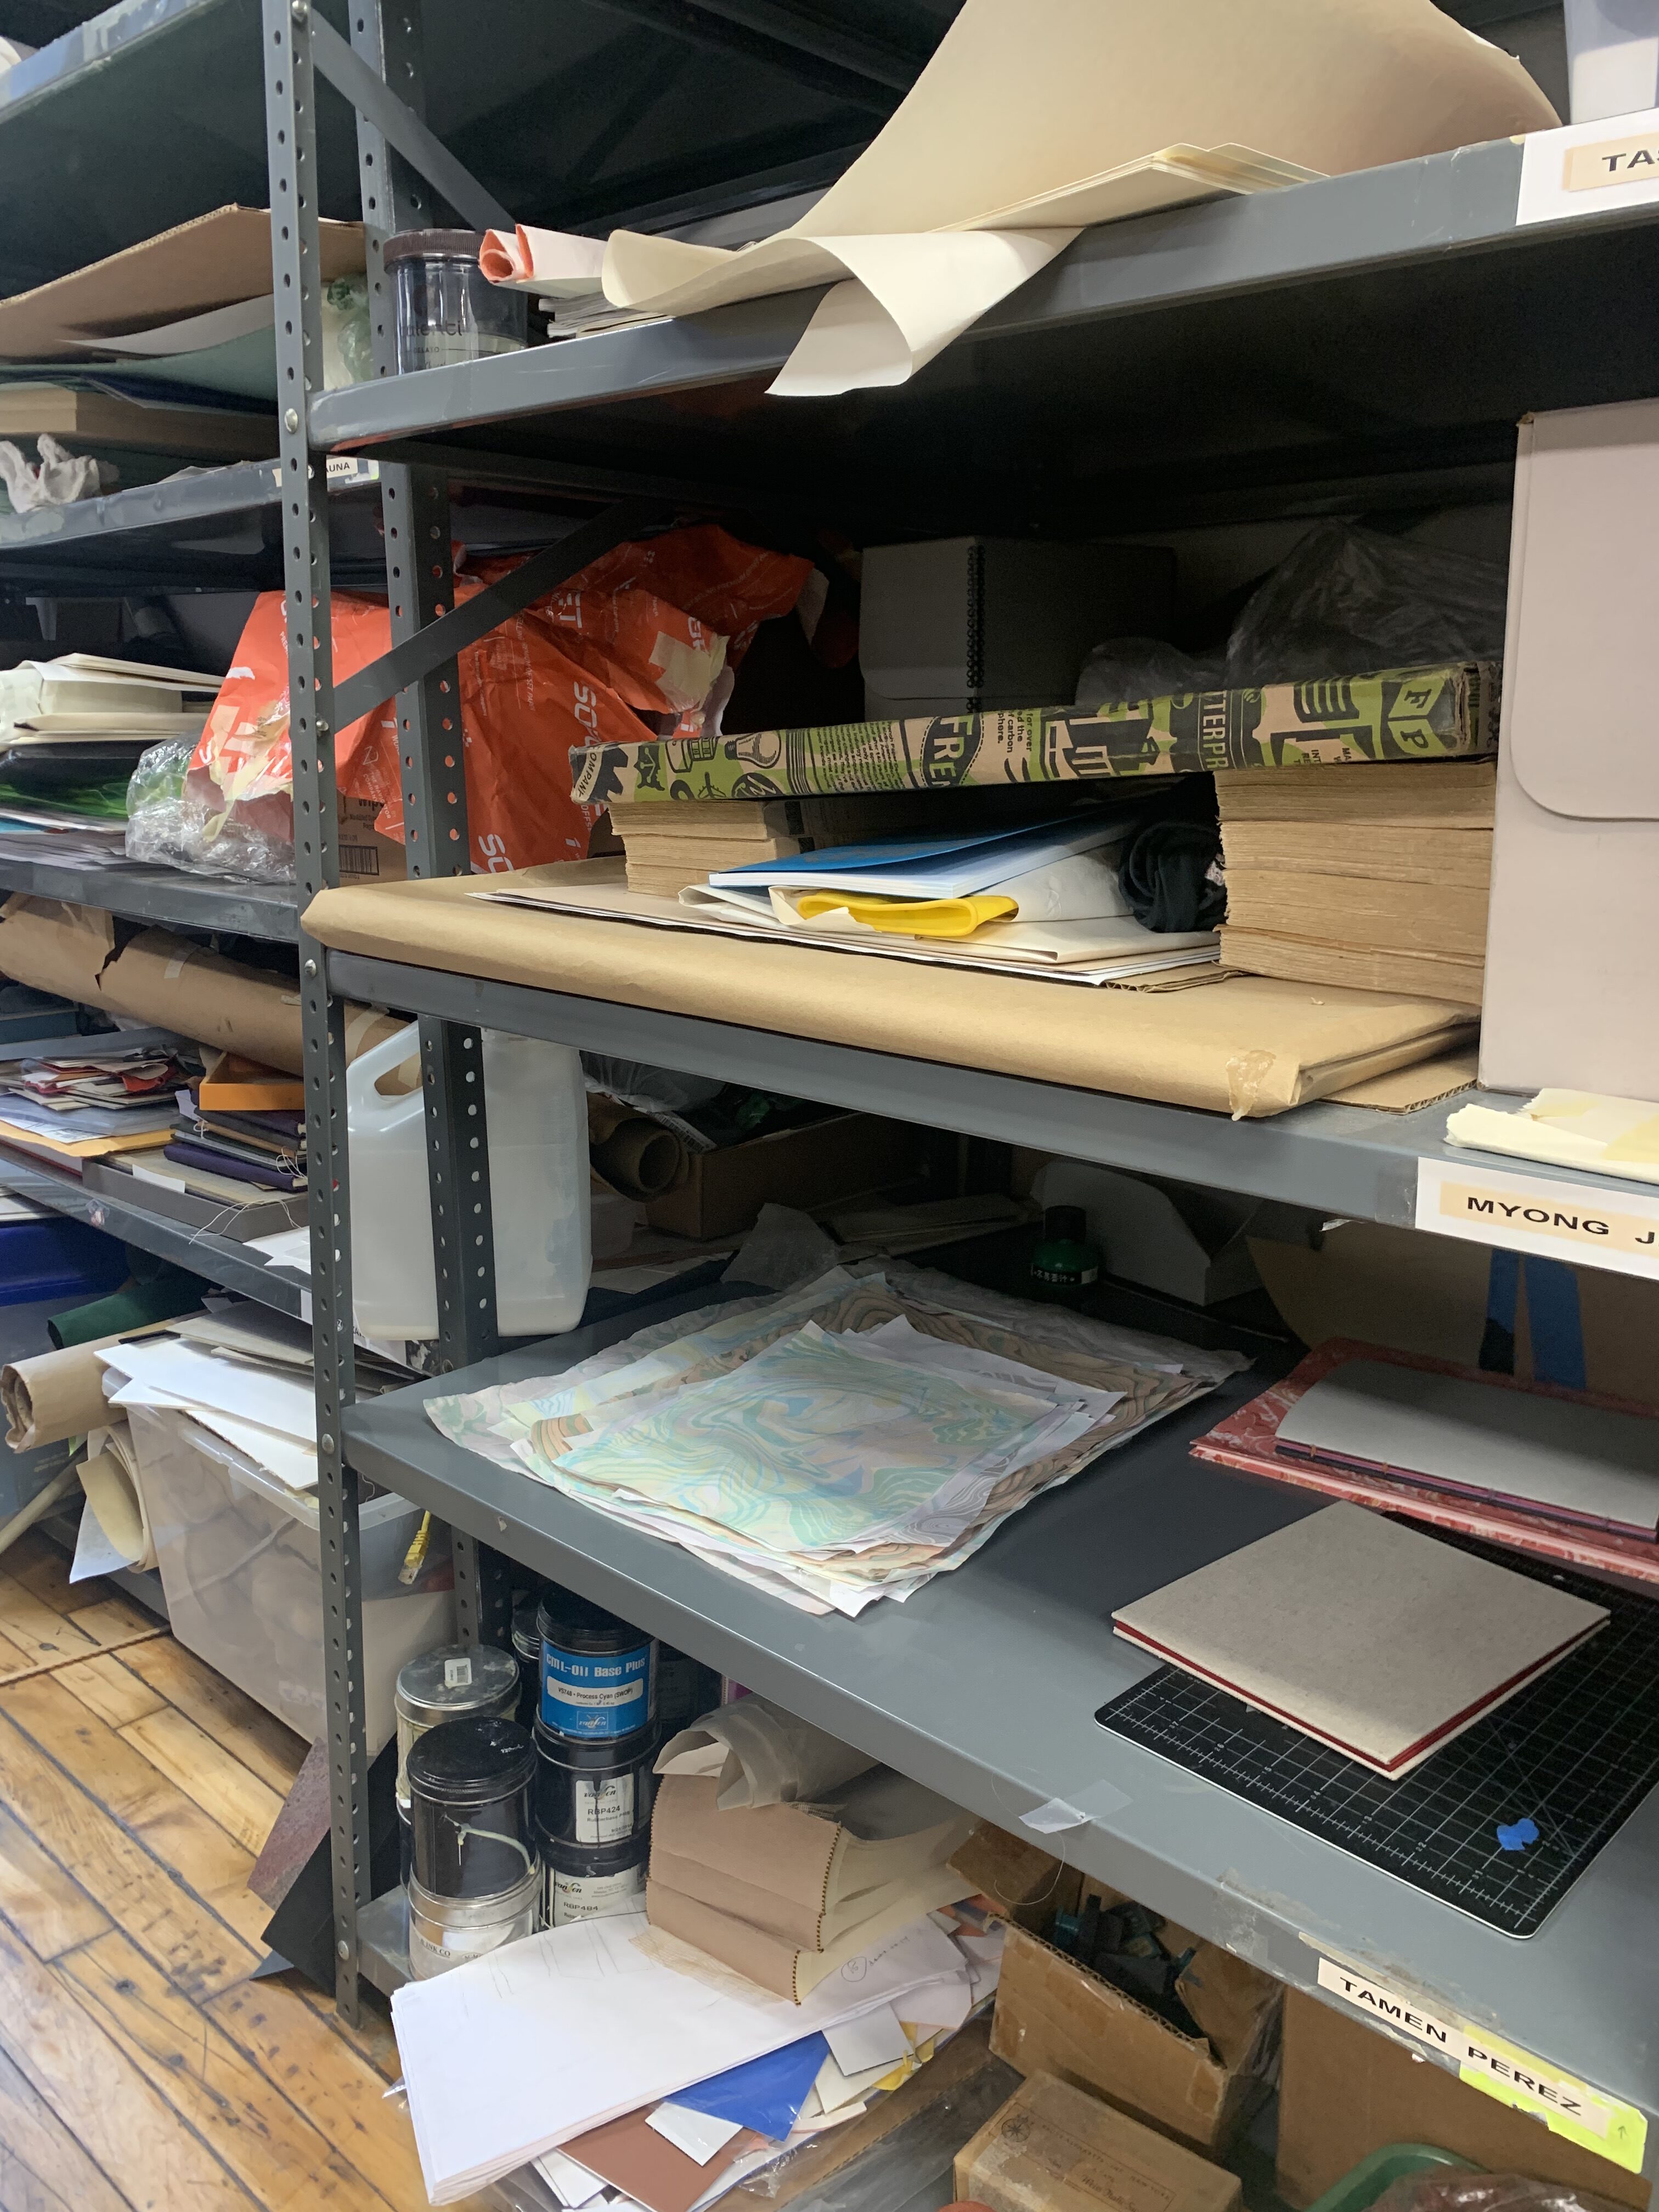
(594, 1860)
(471, 1762)
(457, 1679)
(570, 1623)
(593, 1753)
(526, 1636)
(434, 245)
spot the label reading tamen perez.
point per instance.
(1500, 2070)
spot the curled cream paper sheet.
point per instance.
(1569, 1129)
(1035, 117)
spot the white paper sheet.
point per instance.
(573, 2184)
(699, 2134)
(236, 1386)
(508, 2058)
(874, 2038)
(95, 1553)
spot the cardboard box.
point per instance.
(951, 623)
(1054, 2148)
(366, 857)
(1575, 892)
(1345, 2090)
(841, 1157)
(1419, 714)
(1176, 1237)
(1055, 2016)
(1025, 1883)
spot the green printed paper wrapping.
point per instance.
(1402, 714)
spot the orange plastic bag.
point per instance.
(652, 630)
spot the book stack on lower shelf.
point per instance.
(234, 1162)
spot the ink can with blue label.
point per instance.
(598, 1677)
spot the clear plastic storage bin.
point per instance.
(240, 1554)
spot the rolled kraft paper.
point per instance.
(640, 1159)
(59, 1395)
(108, 1478)
(52, 946)
(167, 981)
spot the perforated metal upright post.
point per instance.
(420, 586)
(291, 134)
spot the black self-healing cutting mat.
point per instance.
(1570, 1757)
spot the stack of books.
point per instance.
(786, 1893)
(1373, 876)
(235, 1161)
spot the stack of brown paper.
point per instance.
(785, 1894)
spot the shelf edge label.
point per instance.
(1614, 1228)
(1590, 168)
(1499, 2068)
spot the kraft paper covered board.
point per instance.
(1419, 714)
(1035, 117)
(1250, 1047)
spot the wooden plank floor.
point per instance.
(140, 2068)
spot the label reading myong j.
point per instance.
(1613, 1229)
(1500, 2070)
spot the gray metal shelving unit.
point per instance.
(1367, 341)
(218, 1258)
(984, 1687)
(165, 896)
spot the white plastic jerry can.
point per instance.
(537, 1111)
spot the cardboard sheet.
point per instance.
(1004, 148)
(212, 262)
(1250, 1047)
(1408, 1088)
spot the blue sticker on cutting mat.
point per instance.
(1517, 1835)
(596, 1694)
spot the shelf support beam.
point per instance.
(429, 647)
(399, 125)
(291, 143)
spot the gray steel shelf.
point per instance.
(1384, 330)
(218, 1258)
(152, 113)
(984, 1686)
(1347, 1160)
(162, 895)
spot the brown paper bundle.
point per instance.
(166, 980)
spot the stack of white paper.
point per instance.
(510, 2057)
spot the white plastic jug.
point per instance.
(1612, 58)
(536, 1110)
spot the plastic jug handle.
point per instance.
(365, 1071)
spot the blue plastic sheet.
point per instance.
(767, 2094)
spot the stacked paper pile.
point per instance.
(839, 1443)
(606, 2051)
(109, 1093)
(1376, 876)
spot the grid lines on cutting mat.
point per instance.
(1573, 1754)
